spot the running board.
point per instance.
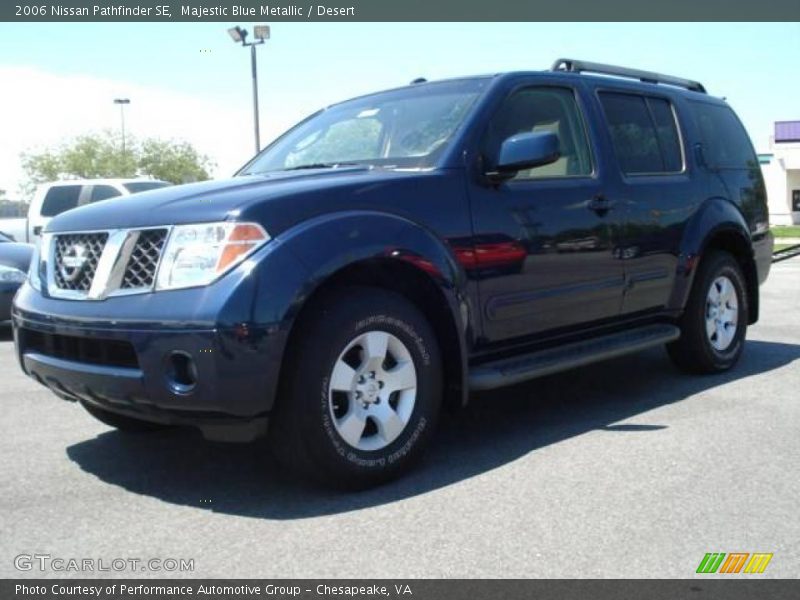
(529, 366)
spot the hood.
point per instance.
(238, 198)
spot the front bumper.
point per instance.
(86, 351)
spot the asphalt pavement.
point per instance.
(622, 469)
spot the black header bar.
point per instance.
(398, 10)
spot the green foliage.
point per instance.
(39, 168)
(786, 231)
(177, 162)
(100, 155)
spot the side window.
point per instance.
(59, 199)
(667, 134)
(725, 142)
(643, 132)
(103, 192)
(536, 109)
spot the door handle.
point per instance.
(37, 230)
(600, 204)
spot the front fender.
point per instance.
(302, 258)
(332, 241)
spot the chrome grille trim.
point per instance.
(127, 264)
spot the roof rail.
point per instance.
(579, 66)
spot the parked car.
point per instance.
(15, 259)
(316, 297)
(52, 199)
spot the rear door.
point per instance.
(543, 240)
(653, 185)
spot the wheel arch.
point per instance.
(736, 243)
(392, 253)
(718, 225)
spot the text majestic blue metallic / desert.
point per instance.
(392, 252)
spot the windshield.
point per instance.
(406, 128)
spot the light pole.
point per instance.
(122, 102)
(261, 34)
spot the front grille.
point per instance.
(76, 257)
(140, 271)
(112, 353)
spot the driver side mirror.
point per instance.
(526, 151)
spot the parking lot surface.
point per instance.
(626, 468)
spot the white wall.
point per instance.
(780, 181)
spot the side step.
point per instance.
(529, 366)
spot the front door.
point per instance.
(543, 241)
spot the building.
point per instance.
(781, 169)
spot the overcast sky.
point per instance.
(190, 81)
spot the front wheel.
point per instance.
(362, 390)
(714, 323)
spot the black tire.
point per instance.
(303, 433)
(121, 422)
(693, 351)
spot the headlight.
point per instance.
(11, 275)
(197, 254)
(33, 270)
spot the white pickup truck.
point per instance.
(54, 198)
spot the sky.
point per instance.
(189, 81)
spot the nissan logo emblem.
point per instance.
(72, 262)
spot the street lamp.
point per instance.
(122, 102)
(261, 34)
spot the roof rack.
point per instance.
(579, 66)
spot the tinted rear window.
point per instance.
(725, 142)
(143, 186)
(60, 198)
(643, 132)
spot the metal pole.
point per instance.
(255, 96)
(122, 118)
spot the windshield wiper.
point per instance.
(322, 166)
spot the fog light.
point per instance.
(181, 372)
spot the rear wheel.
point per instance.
(714, 324)
(121, 422)
(362, 390)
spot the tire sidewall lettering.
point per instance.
(409, 437)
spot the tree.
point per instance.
(100, 155)
(177, 162)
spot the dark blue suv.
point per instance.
(393, 252)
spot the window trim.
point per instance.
(644, 95)
(581, 109)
